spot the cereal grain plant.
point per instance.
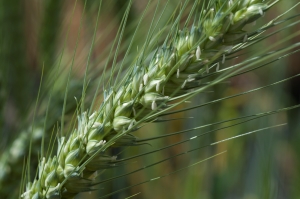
(198, 47)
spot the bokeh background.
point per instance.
(32, 38)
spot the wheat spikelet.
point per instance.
(175, 69)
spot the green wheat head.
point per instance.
(173, 65)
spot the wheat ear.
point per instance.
(174, 70)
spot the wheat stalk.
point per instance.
(173, 72)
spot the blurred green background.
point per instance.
(259, 166)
